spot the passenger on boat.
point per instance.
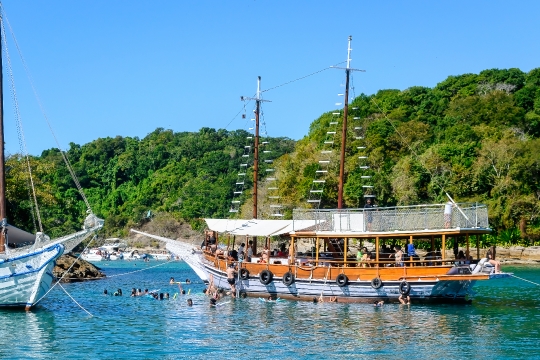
(368, 208)
(241, 256)
(249, 250)
(359, 256)
(491, 259)
(241, 248)
(461, 255)
(399, 256)
(230, 279)
(405, 301)
(266, 255)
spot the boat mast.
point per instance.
(256, 147)
(2, 156)
(344, 128)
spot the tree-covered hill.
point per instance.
(126, 180)
(475, 136)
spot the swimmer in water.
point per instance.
(189, 302)
(378, 303)
(405, 301)
(105, 292)
(212, 302)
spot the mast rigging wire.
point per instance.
(20, 132)
(38, 99)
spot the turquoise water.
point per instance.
(502, 322)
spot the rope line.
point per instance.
(148, 268)
(38, 99)
(67, 271)
(529, 281)
(20, 131)
(301, 78)
(75, 301)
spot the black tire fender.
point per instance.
(244, 274)
(266, 277)
(376, 283)
(288, 278)
(404, 288)
(342, 280)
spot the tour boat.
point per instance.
(27, 260)
(329, 272)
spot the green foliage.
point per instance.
(476, 136)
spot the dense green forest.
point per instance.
(476, 136)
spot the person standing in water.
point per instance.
(231, 280)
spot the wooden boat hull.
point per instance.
(437, 288)
(26, 278)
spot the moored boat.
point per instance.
(330, 272)
(27, 260)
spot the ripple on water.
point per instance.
(503, 318)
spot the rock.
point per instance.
(531, 253)
(80, 271)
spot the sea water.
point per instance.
(502, 322)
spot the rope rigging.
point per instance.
(38, 99)
(20, 133)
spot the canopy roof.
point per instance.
(257, 227)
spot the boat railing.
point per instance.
(391, 219)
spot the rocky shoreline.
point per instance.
(81, 271)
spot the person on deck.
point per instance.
(491, 259)
(266, 255)
(399, 256)
(368, 208)
(250, 250)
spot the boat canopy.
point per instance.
(257, 227)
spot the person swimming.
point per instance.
(378, 303)
(189, 302)
(105, 292)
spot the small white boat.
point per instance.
(164, 255)
(93, 255)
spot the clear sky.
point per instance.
(104, 68)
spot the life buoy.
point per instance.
(342, 280)
(244, 274)
(288, 278)
(404, 288)
(266, 277)
(376, 283)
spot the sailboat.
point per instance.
(27, 260)
(328, 272)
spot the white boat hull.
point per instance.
(24, 279)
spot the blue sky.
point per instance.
(104, 68)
